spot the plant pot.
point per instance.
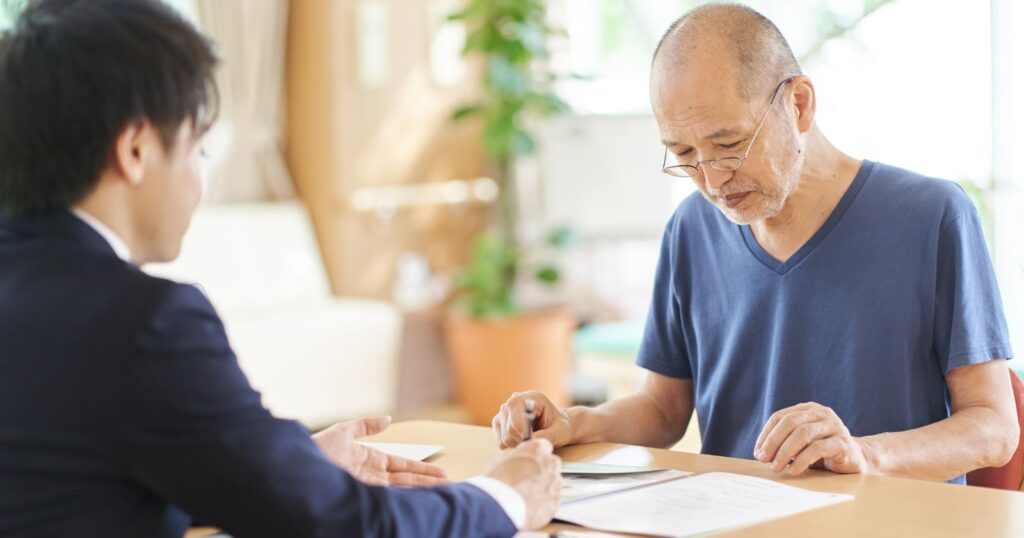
(492, 358)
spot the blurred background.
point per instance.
(372, 254)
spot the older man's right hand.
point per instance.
(550, 422)
(533, 471)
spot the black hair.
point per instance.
(74, 74)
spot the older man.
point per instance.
(816, 309)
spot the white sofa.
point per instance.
(315, 357)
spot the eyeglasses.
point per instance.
(725, 164)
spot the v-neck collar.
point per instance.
(771, 262)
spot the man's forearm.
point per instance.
(634, 419)
(972, 438)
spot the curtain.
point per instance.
(246, 159)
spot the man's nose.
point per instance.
(714, 179)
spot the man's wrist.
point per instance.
(577, 417)
(510, 500)
(871, 453)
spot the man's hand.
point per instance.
(551, 423)
(372, 466)
(533, 471)
(806, 435)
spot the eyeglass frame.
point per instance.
(696, 167)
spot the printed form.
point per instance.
(700, 504)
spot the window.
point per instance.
(9, 10)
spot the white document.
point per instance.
(582, 467)
(579, 487)
(403, 450)
(700, 504)
(565, 534)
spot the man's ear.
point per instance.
(133, 147)
(805, 103)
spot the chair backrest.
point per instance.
(1011, 475)
(251, 257)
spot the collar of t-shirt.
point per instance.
(108, 235)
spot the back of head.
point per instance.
(755, 50)
(73, 73)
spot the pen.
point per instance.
(530, 415)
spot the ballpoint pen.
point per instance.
(531, 407)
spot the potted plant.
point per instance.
(495, 347)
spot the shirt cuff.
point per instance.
(507, 498)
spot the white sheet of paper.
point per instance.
(700, 504)
(579, 487)
(566, 534)
(586, 534)
(403, 450)
(582, 467)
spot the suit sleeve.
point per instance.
(198, 436)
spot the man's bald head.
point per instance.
(757, 53)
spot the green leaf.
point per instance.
(548, 275)
(480, 40)
(511, 38)
(502, 74)
(487, 282)
(562, 237)
(533, 38)
(546, 104)
(472, 9)
(521, 143)
(466, 111)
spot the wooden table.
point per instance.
(883, 506)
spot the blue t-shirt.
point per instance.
(895, 290)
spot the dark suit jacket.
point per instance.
(123, 412)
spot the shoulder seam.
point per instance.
(946, 227)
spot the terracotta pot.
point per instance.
(492, 359)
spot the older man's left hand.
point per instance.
(809, 435)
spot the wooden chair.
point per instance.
(1011, 475)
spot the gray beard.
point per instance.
(769, 205)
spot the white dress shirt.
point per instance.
(112, 239)
(507, 497)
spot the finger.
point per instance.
(376, 460)
(512, 437)
(368, 426)
(373, 477)
(520, 421)
(783, 427)
(554, 467)
(402, 465)
(549, 465)
(496, 428)
(817, 451)
(547, 413)
(547, 435)
(498, 423)
(415, 480)
(517, 418)
(800, 438)
(500, 426)
(538, 446)
(774, 421)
